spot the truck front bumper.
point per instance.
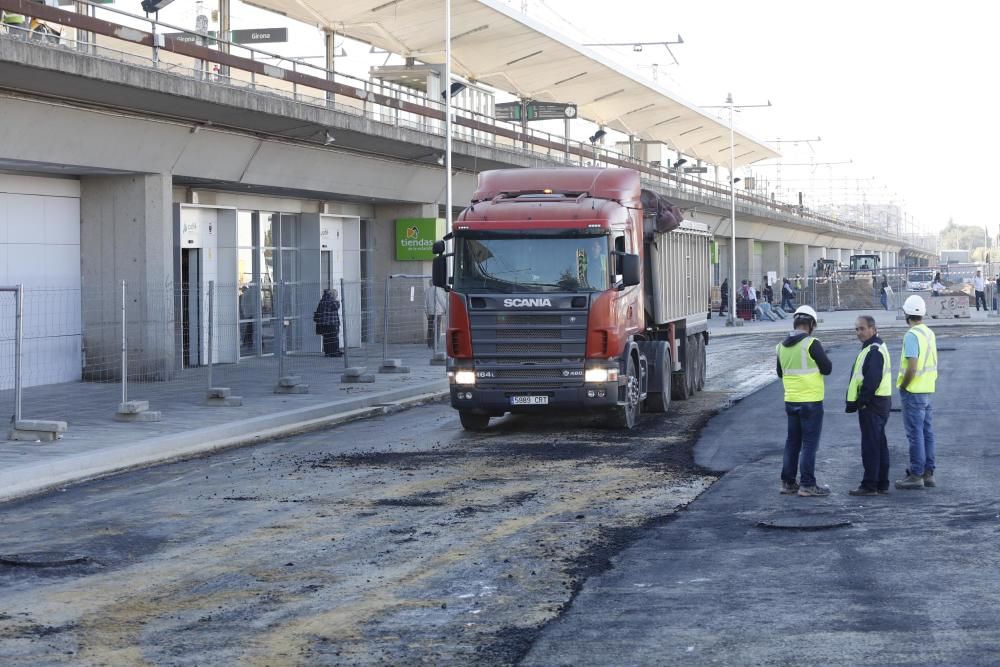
(500, 400)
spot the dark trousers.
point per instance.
(786, 303)
(981, 297)
(874, 450)
(331, 343)
(805, 424)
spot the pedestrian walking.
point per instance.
(724, 296)
(884, 295)
(869, 393)
(435, 306)
(979, 285)
(752, 299)
(802, 363)
(327, 319)
(916, 380)
(787, 295)
(767, 292)
(937, 286)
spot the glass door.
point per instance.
(267, 257)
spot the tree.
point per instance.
(961, 237)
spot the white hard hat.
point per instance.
(914, 305)
(806, 310)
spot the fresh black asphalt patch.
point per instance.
(910, 579)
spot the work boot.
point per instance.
(863, 491)
(911, 481)
(814, 490)
(789, 488)
(929, 479)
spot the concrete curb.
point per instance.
(29, 480)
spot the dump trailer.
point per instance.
(573, 290)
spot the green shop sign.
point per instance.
(415, 238)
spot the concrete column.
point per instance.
(126, 233)
(814, 253)
(773, 258)
(744, 262)
(796, 259)
(411, 326)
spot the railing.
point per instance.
(248, 68)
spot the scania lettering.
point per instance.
(527, 303)
(573, 290)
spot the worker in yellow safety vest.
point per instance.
(869, 393)
(802, 363)
(916, 380)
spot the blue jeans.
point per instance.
(885, 302)
(805, 423)
(786, 303)
(917, 419)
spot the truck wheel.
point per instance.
(691, 365)
(679, 385)
(700, 354)
(627, 416)
(472, 421)
(659, 401)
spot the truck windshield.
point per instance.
(920, 276)
(532, 264)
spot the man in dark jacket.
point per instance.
(869, 393)
(327, 319)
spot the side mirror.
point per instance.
(439, 271)
(631, 270)
(438, 248)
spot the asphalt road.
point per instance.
(404, 540)
(911, 581)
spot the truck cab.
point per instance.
(546, 305)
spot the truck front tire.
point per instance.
(626, 416)
(472, 421)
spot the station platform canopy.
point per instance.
(500, 47)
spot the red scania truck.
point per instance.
(573, 289)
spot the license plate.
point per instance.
(529, 400)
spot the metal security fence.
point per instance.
(147, 343)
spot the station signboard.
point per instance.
(516, 111)
(259, 35)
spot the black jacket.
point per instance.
(327, 315)
(871, 371)
(816, 351)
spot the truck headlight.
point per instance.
(465, 377)
(600, 375)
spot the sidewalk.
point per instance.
(842, 319)
(96, 444)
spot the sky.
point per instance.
(903, 90)
(900, 91)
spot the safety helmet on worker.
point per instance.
(806, 311)
(915, 306)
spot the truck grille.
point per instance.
(519, 350)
